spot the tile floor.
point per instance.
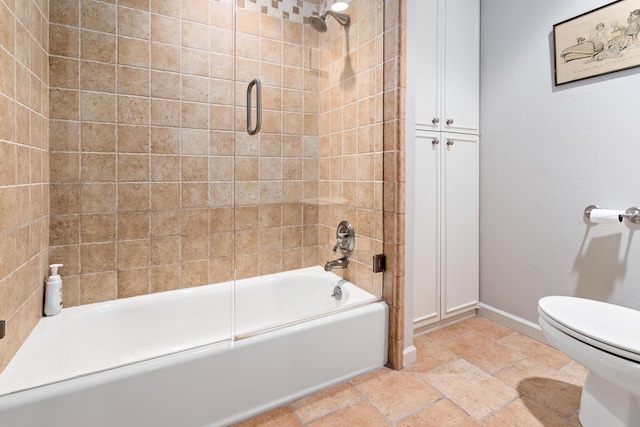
(472, 373)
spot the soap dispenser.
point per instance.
(53, 292)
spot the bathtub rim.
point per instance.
(87, 386)
(237, 335)
(260, 331)
(203, 347)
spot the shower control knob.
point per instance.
(345, 238)
(435, 120)
(449, 122)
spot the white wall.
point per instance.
(546, 153)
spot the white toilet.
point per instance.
(605, 339)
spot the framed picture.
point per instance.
(597, 42)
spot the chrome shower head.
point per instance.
(319, 22)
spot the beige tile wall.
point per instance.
(276, 172)
(351, 137)
(150, 155)
(141, 105)
(135, 89)
(24, 168)
(147, 165)
(362, 148)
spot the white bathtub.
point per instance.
(167, 359)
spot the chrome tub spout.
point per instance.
(340, 263)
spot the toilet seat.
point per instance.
(608, 327)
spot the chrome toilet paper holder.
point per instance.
(632, 214)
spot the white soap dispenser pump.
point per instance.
(53, 292)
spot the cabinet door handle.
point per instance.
(449, 122)
(435, 120)
(435, 141)
(449, 142)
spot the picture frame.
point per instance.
(602, 41)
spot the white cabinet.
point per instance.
(447, 65)
(446, 226)
(443, 164)
(426, 228)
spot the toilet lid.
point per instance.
(606, 326)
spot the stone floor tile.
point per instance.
(576, 373)
(448, 332)
(542, 389)
(537, 350)
(544, 385)
(430, 355)
(524, 412)
(471, 388)
(483, 352)
(443, 413)
(486, 327)
(361, 414)
(281, 417)
(322, 403)
(395, 393)
(575, 420)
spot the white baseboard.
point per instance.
(518, 324)
(409, 356)
(420, 329)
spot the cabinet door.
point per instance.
(460, 223)
(426, 262)
(461, 70)
(428, 65)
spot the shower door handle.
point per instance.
(258, 85)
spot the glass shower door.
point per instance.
(307, 155)
(220, 92)
(268, 162)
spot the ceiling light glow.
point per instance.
(339, 6)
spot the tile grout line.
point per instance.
(420, 408)
(520, 395)
(367, 399)
(442, 393)
(335, 411)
